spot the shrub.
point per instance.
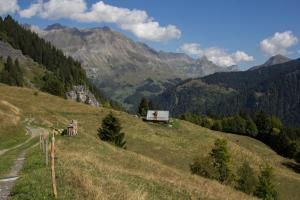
(110, 131)
(247, 180)
(207, 122)
(251, 128)
(204, 167)
(217, 126)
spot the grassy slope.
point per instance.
(155, 165)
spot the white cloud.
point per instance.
(36, 29)
(54, 9)
(278, 43)
(217, 55)
(8, 6)
(136, 21)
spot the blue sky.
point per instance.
(227, 32)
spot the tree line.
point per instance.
(268, 129)
(12, 73)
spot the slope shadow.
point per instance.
(293, 166)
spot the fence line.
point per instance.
(44, 146)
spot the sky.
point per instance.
(227, 32)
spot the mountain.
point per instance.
(277, 59)
(27, 60)
(154, 166)
(120, 66)
(274, 89)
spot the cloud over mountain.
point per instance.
(278, 43)
(136, 21)
(217, 55)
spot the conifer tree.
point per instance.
(221, 161)
(265, 188)
(110, 131)
(246, 179)
(144, 106)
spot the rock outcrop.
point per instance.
(81, 94)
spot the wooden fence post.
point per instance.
(43, 144)
(53, 167)
(46, 151)
(40, 140)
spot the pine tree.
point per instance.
(110, 131)
(18, 74)
(265, 188)
(12, 73)
(144, 107)
(221, 161)
(246, 179)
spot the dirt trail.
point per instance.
(34, 132)
(7, 183)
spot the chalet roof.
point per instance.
(157, 115)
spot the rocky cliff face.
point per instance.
(118, 65)
(81, 94)
(7, 50)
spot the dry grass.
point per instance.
(156, 163)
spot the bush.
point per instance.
(110, 131)
(207, 122)
(204, 167)
(217, 126)
(265, 188)
(251, 128)
(247, 180)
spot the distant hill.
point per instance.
(277, 59)
(120, 66)
(274, 89)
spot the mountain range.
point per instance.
(121, 67)
(274, 89)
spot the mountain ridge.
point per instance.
(274, 90)
(114, 62)
(273, 60)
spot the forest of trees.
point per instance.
(64, 71)
(12, 73)
(266, 128)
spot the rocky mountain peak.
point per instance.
(274, 60)
(55, 26)
(277, 59)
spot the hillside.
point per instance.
(50, 70)
(120, 66)
(273, 89)
(154, 166)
